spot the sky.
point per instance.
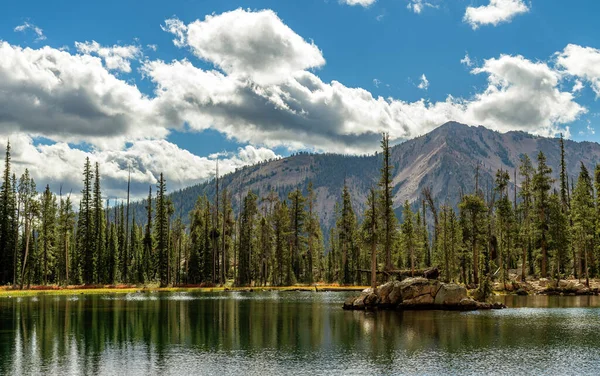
(173, 86)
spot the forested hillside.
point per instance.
(443, 160)
(324, 218)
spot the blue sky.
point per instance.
(369, 61)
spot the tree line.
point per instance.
(535, 228)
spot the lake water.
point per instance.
(291, 333)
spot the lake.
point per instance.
(260, 333)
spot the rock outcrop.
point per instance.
(416, 293)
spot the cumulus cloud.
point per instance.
(523, 95)
(259, 47)
(363, 3)
(417, 6)
(61, 165)
(115, 57)
(423, 83)
(71, 98)
(29, 26)
(582, 62)
(496, 12)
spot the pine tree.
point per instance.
(48, 235)
(583, 220)
(162, 231)
(99, 229)
(526, 171)
(473, 211)
(370, 232)
(148, 239)
(312, 229)
(197, 241)
(408, 235)
(247, 228)
(346, 229)
(297, 222)
(86, 227)
(27, 194)
(541, 186)
(66, 228)
(7, 219)
(281, 230)
(386, 211)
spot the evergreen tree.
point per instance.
(370, 232)
(7, 220)
(148, 239)
(386, 211)
(99, 229)
(408, 235)
(86, 227)
(346, 230)
(526, 171)
(281, 231)
(30, 209)
(247, 229)
(297, 222)
(541, 187)
(473, 211)
(48, 234)
(583, 220)
(162, 231)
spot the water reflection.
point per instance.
(250, 333)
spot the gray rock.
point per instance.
(414, 287)
(371, 300)
(450, 294)
(421, 300)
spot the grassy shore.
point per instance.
(128, 289)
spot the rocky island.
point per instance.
(417, 294)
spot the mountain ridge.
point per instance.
(444, 159)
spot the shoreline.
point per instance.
(6, 292)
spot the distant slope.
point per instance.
(444, 159)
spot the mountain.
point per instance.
(444, 159)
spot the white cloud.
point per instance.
(578, 86)
(153, 47)
(115, 57)
(523, 95)
(59, 164)
(72, 98)
(496, 12)
(417, 6)
(582, 62)
(466, 60)
(363, 3)
(424, 83)
(376, 82)
(260, 46)
(29, 26)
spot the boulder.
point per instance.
(349, 303)
(450, 294)
(421, 300)
(415, 293)
(543, 282)
(412, 288)
(359, 303)
(468, 304)
(371, 300)
(384, 292)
